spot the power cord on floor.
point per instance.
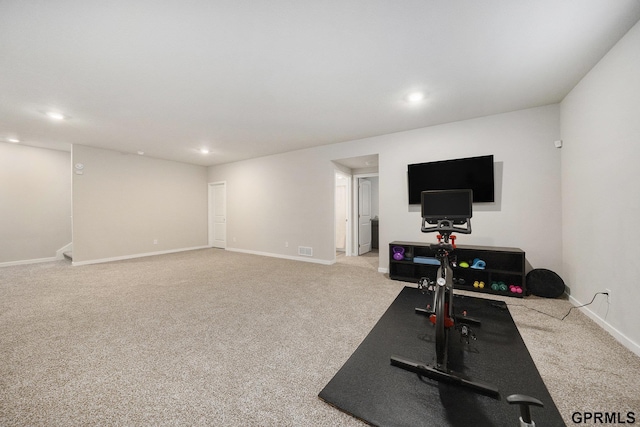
(565, 316)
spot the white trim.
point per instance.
(27, 261)
(619, 336)
(59, 255)
(142, 255)
(66, 248)
(272, 255)
(348, 251)
(383, 270)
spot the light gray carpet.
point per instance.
(212, 337)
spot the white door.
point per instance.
(364, 216)
(341, 216)
(218, 215)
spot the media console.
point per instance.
(503, 266)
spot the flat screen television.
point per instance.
(475, 173)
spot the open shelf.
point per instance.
(503, 265)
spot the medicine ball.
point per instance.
(544, 283)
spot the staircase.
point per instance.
(65, 252)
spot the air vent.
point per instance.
(305, 251)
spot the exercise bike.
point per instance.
(445, 212)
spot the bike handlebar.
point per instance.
(446, 226)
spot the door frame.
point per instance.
(210, 219)
(355, 196)
(349, 239)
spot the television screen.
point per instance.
(475, 173)
(447, 204)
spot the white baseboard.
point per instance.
(27, 261)
(272, 255)
(59, 256)
(66, 248)
(383, 270)
(142, 255)
(619, 336)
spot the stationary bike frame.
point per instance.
(442, 315)
(450, 204)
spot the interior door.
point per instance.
(218, 215)
(341, 215)
(364, 216)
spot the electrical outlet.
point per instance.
(286, 244)
(608, 291)
(155, 241)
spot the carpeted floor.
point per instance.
(213, 337)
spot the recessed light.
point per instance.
(141, 153)
(14, 140)
(415, 97)
(55, 115)
(204, 151)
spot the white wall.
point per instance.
(527, 207)
(123, 202)
(35, 203)
(280, 202)
(600, 122)
(290, 197)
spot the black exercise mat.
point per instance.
(371, 389)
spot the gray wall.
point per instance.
(35, 203)
(280, 199)
(600, 196)
(123, 202)
(290, 197)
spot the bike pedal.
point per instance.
(426, 311)
(466, 333)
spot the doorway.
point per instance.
(358, 170)
(366, 205)
(218, 215)
(364, 216)
(342, 213)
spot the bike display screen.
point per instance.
(447, 204)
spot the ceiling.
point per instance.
(248, 78)
(369, 162)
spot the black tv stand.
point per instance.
(503, 265)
